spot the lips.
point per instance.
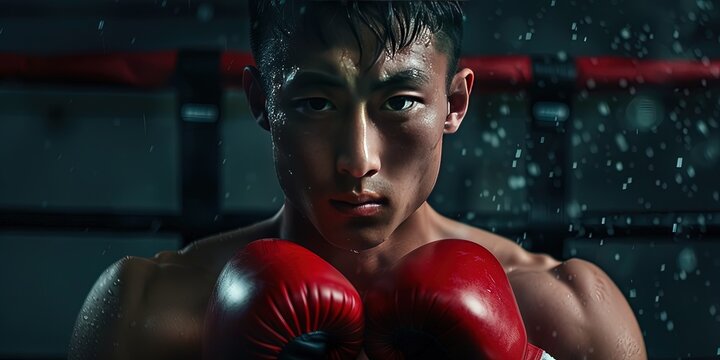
(359, 204)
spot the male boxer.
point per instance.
(356, 97)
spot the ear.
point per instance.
(458, 99)
(255, 96)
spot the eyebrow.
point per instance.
(408, 77)
(315, 78)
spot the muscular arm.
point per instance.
(574, 311)
(143, 309)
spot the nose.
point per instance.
(358, 147)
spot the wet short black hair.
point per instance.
(396, 24)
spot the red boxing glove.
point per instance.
(449, 299)
(277, 300)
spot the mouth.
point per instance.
(359, 205)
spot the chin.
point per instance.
(356, 242)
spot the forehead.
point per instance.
(332, 47)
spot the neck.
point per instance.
(423, 226)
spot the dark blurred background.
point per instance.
(92, 173)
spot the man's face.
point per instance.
(357, 146)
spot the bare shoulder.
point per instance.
(154, 305)
(574, 310)
(141, 304)
(571, 308)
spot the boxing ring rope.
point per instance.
(493, 73)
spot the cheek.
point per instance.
(415, 147)
(300, 155)
(415, 164)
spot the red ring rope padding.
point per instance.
(155, 69)
(620, 72)
(500, 72)
(144, 70)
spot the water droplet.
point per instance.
(625, 33)
(687, 260)
(603, 108)
(621, 142)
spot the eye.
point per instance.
(399, 103)
(315, 104)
